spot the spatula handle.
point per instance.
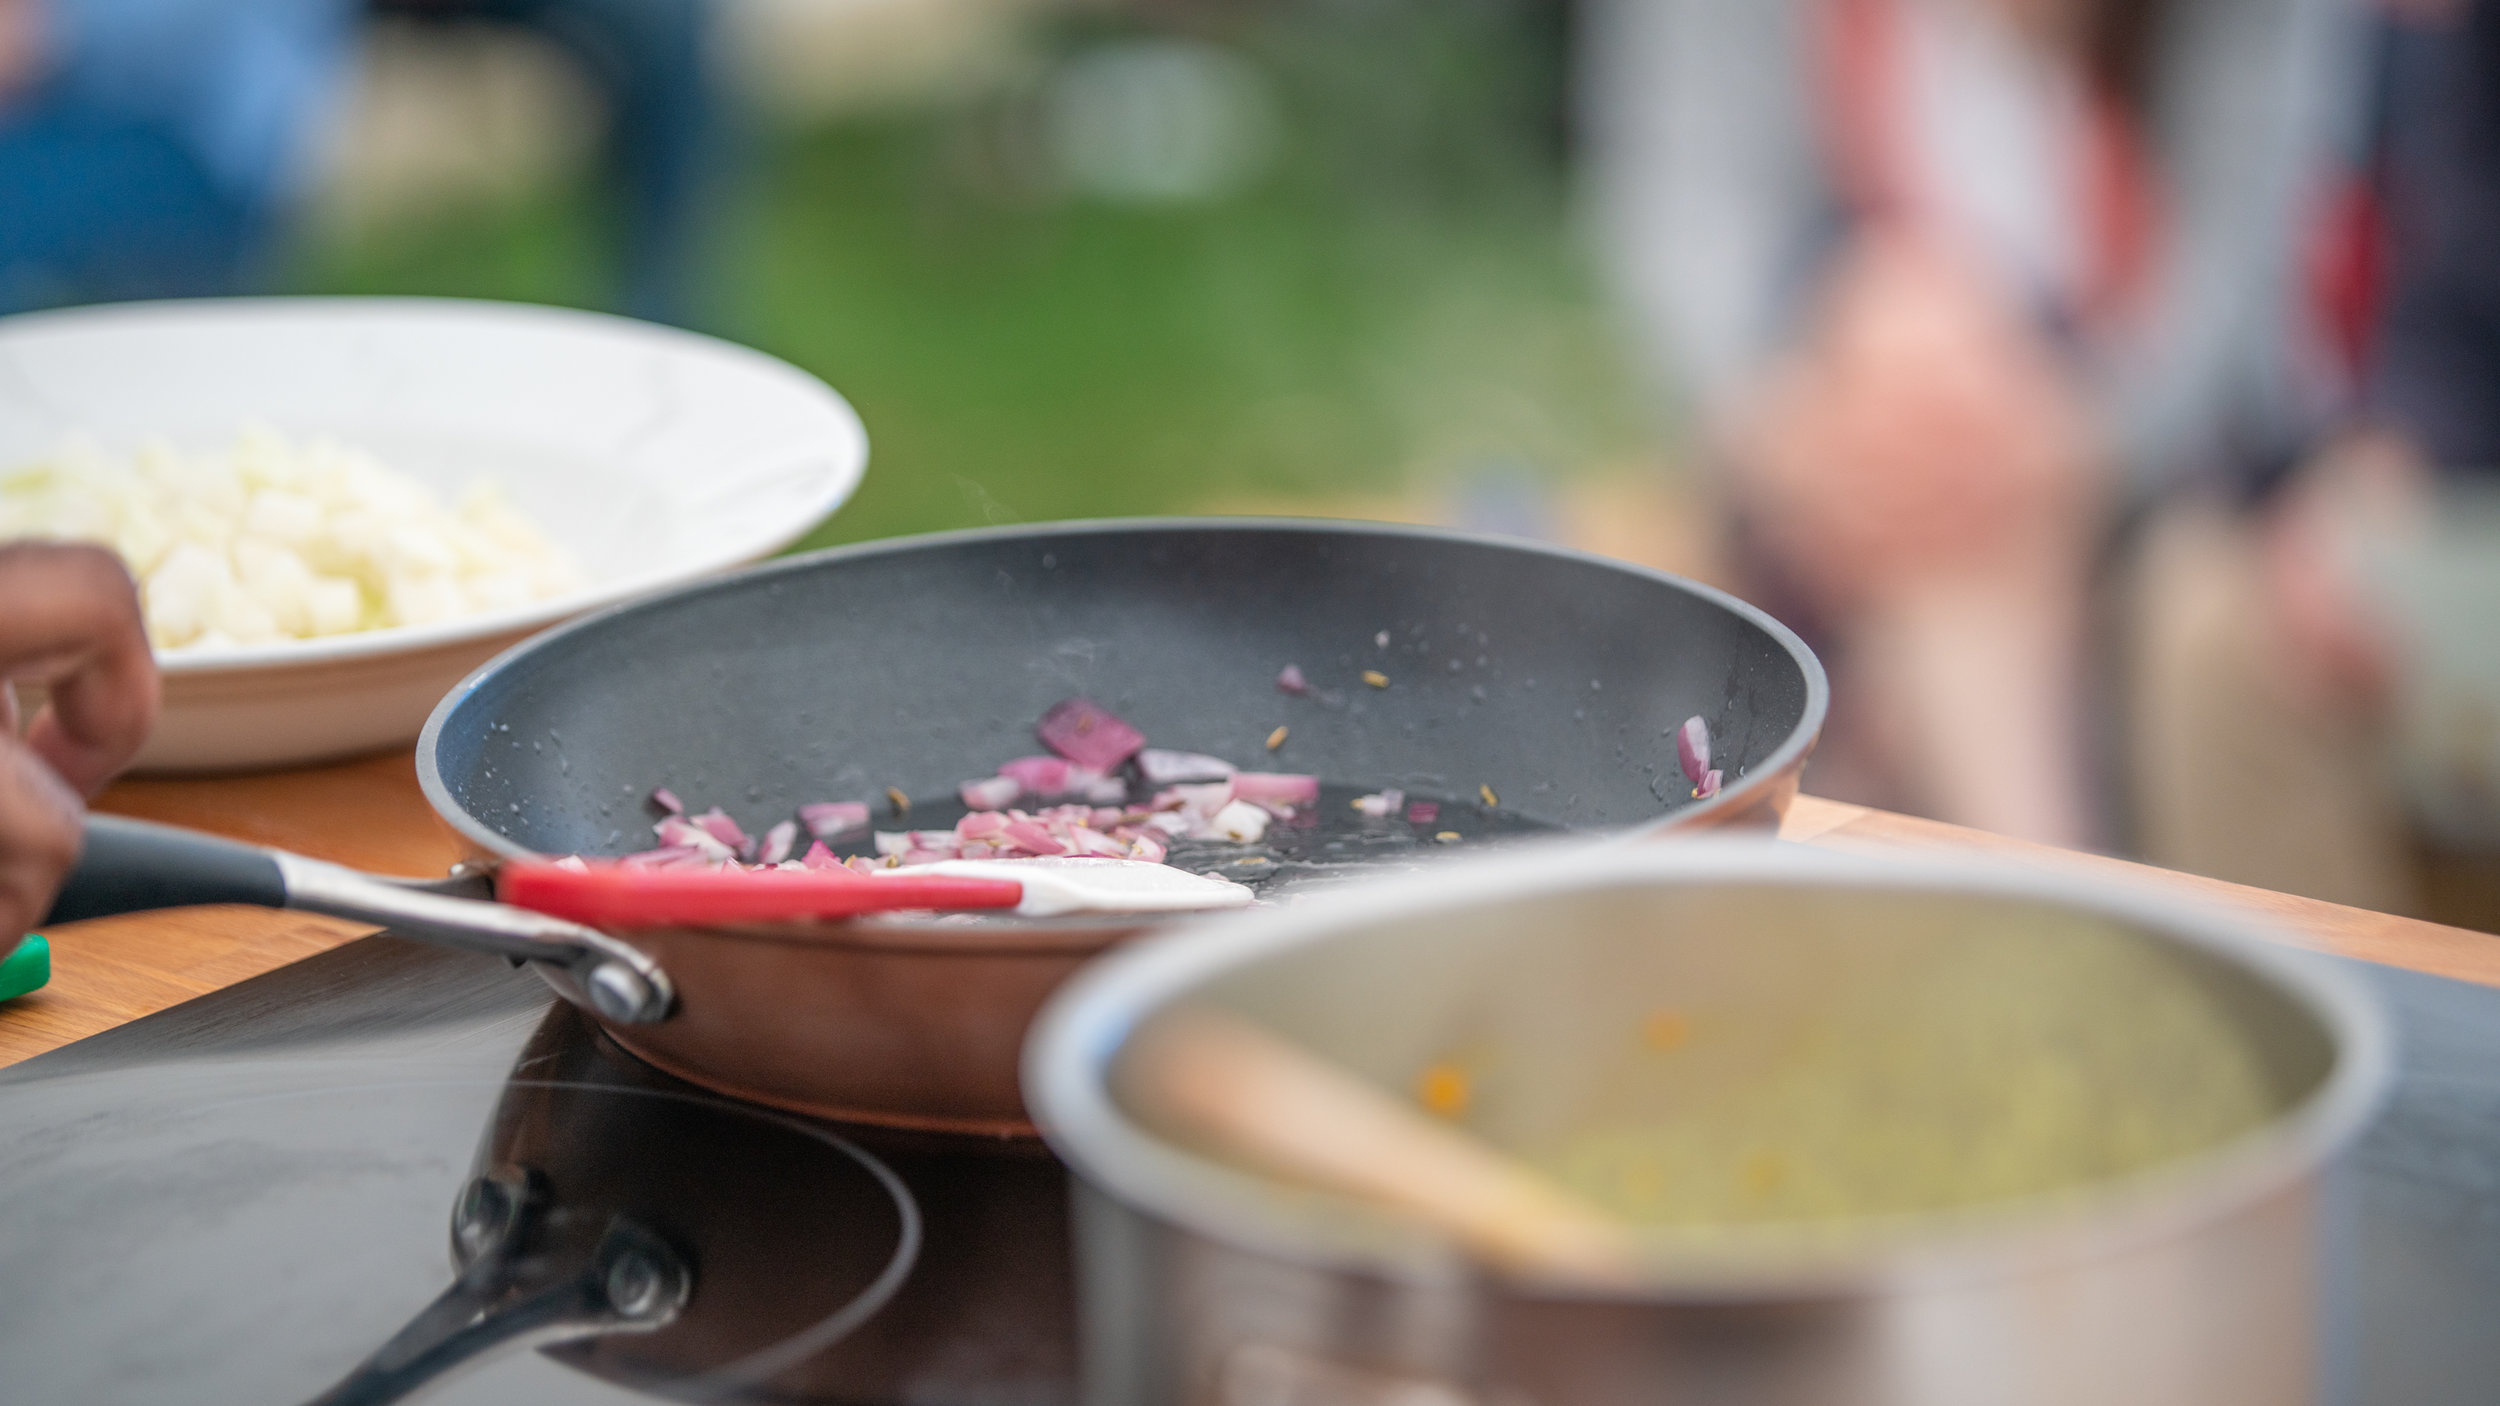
(615, 896)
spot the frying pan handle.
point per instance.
(131, 866)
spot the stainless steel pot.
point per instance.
(2201, 1281)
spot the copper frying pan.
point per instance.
(1549, 680)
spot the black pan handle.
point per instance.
(131, 866)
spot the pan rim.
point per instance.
(1758, 785)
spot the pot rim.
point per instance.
(1081, 1030)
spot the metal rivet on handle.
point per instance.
(618, 992)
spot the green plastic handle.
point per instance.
(26, 968)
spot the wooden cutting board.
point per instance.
(368, 813)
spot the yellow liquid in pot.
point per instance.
(1982, 1071)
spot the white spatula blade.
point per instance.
(1089, 885)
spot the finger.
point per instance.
(39, 837)
(73, 621)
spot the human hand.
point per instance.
(1921, 432)
(70, 622)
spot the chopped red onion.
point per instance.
(832, 820)
(1088, 734)
(1198, 801)
(1240, 821)
(1040, 776)
(717, 824)
(980, 825)
(1275, 787)
(778, 842)
(1291, 681)
(1094, 842)
(1148, 848)
(819, 857)
(1692, 748)
(893, 841)
(1380, 804)
(676, 832)
(1423, 812)
(667, 801)
(661, 857)
(1710, 782)
(1162, 767)
(990, 792)
(1095, 786)
(1034, 837)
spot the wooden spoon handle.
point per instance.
(1256, 1099)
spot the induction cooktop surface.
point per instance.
(391, 1172)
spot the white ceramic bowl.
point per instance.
(653, 455)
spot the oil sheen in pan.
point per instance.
(1327, 843)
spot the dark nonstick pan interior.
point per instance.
(1554, 679)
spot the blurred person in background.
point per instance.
(654, 66)
(2271, 662)
(149, 147)
(154, 148)
(1951, 287)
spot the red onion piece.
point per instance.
(666, 800)
(1240, 822)
(980, 825)
(1199, 801)
(1692, 748)
(1088, 734)
(1163, 767)
(1290, 680)
(831, 820)
(819, 857)
(1096, 787)
(678, 833)
(778, 842)
(1148, 848)
(892, 842)
(1033, 838)
(1423, 812)
(717, 824)
(1381, 804)
(990, 792)
(1275, 788)
(1041, 776)
(657, 858)
(1710, 782)
(1094, 842)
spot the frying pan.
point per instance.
(1523, 686)
(1552, 679)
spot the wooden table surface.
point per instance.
(368, 813)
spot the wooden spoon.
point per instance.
(1256, 1099)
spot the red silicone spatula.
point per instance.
(613, 896)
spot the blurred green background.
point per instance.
(1386, 302)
